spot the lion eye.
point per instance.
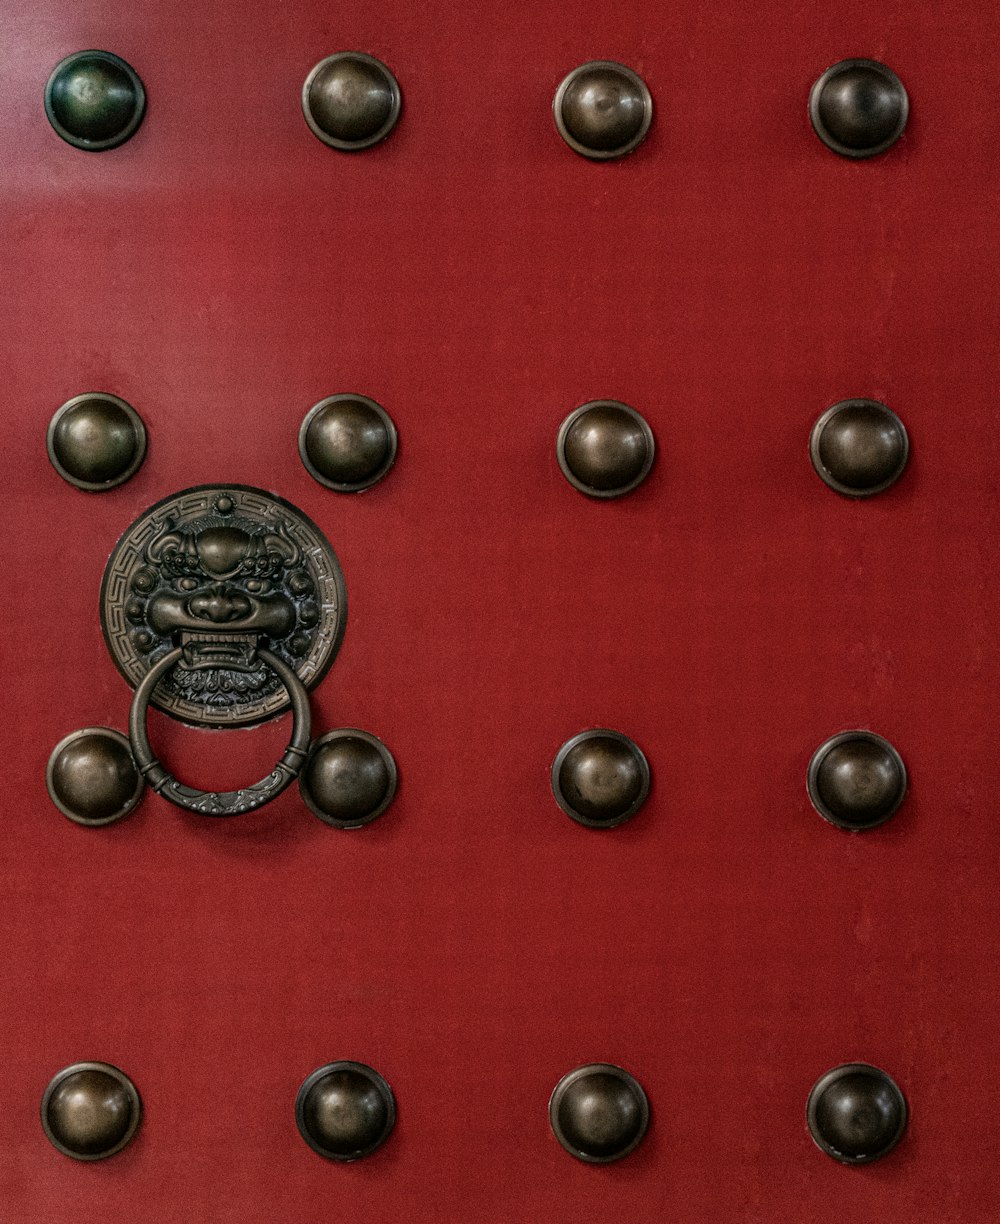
(187, 584)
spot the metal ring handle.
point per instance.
(220, 803)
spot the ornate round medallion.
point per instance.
(605, 448)
(602, 110)
(347, 442)
(856, 780)
(345, 1110)
(856, 1113)
(349, 778)
(351, 100)
(92, 778)
(94, 100)
(219, 571)
(600, 778)
(90, 1110)
(96, 441)
(859, 108)
(859, 447)
(599, 1113)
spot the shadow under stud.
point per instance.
(603, 110)
(94, 100)
(859, 108)
(351, 101)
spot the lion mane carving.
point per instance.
(219, 586)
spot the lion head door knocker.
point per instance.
(222, 605)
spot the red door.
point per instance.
(732, 278)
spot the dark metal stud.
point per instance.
(605, 448)
(351, 100)
(349, 778)
(90, 1110)
(345, 1110)
(96, 441)
(859, 108)
(856, 1113)
(599, 1113)
(92, 777)
(603, 110)
(94, 100)
(859, 447)
(856, 780)
(347, 442)
(600, 778)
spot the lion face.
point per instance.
(219, 588)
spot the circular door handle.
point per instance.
(220, 803)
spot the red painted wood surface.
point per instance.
(222, 272)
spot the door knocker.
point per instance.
(221, 605)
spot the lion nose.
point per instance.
(219, 605)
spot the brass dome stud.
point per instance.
(94, 100)
(602, 110)
(351, 100)
(605, 448)
(345, 1110)
(859, 108)
(96, 441)
(349, 778)
(859, 447)
(599, 1113)
(347, 442)
(600, 778)
(92, 777)
(856, 1113)
(90, 1110)
(856, 780)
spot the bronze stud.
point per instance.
(859, 447)
(605, 448)
(347, 442)
(602, 110)
(856, 1113)
(600, 778)
(345, 1110)
(349, 778)
(599, 1113)
(94, 100)
(351, 100)
(856, 780)
(96, 441)
(90, 1110)
(92, 778)
(859, 108)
